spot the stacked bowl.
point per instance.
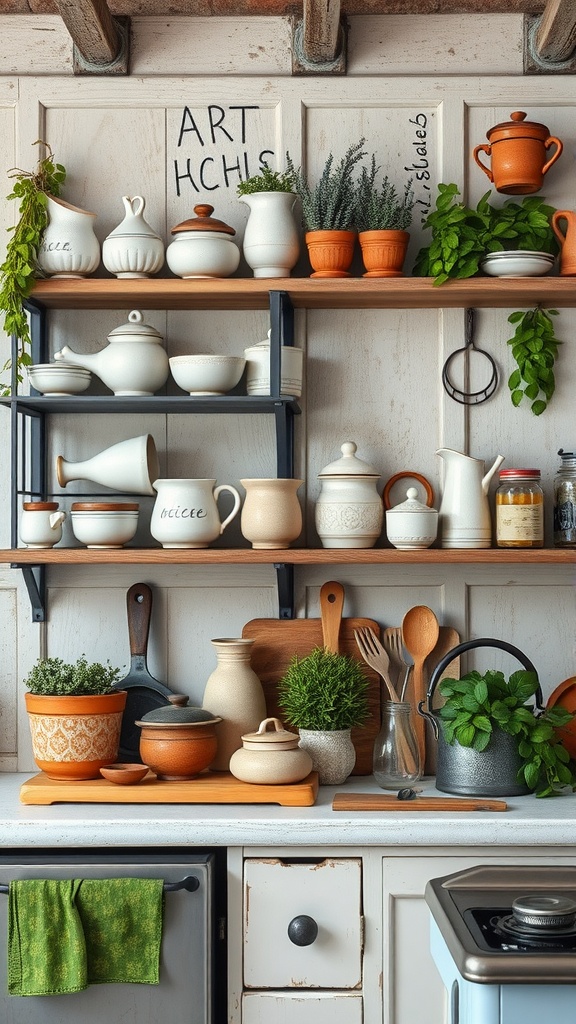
(59, 378)
(99, 524)
(517, 263)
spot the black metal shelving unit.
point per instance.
(29, 414)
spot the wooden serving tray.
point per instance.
(208, 788)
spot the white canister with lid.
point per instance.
(203, 246)
(258, 369)
(411, 525)
(349, 511)
(270, 756)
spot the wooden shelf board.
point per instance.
(290, 556)
(305, 292)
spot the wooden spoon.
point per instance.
(420, 630)
(331, 605)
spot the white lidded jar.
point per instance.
(133, 249)
(349, 511)
(411, 525)
(203, 246)
(258, 369)
(270, 756)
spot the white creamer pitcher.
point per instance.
(186, 515)
(464, 516)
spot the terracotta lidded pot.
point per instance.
(270, 755)
(177, 741)
(519, 154)
(203, 246)
(349, 512)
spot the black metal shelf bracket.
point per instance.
(35, 580)
(285, 584)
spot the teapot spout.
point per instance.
(90, 362)
(487, 478)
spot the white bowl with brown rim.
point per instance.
(99, 524)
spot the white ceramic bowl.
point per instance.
(207, 374)
(58, 378)
(517, 263)
(104, 525)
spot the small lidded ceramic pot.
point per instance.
(518, 151)
(203, 246)
(41, 524)
(349, 512)
(270, 756)
(178, 742)
(411, 525)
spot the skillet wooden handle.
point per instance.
(139, 607)
(331, 605)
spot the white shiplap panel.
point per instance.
(34, 45)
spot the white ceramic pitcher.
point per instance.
(69, 247)
(186, 515)
(464, 515)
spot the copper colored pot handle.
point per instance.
(411, 476)
(555, 155)
(483, 149)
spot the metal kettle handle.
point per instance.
(470, 645)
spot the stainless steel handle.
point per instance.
(302, 930)
(190, 883)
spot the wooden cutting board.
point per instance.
(382, 802)
(278, 640)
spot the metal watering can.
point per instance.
(469, 772)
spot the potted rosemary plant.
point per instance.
(329, 212)
(75, 715)
(382, 218)
(325, 695)
(20, 269)
(271, 244)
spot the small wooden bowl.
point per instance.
(124, 774)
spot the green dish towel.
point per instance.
(64, 935)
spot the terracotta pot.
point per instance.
(383, 252)
(74, 737)
(518, 150)
(330, 252)
(178, 742)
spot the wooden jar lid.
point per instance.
(105, 506)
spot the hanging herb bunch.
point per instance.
(20, 269)
(534, 348)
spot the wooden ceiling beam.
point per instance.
(100, 41)
(556, 33)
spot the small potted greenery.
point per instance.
(271, 244)
(20, 269)
(75, 714)
(383, 217)
(491, 740)
(325, 695)
(329, 211)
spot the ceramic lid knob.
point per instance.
(349, 464)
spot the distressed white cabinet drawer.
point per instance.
(301, 1008)
(279, 899)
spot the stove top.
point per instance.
(500, 926)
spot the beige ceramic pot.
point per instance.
(271, 515)
(233, 691)
(270, 756)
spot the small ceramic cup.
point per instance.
(41, 524)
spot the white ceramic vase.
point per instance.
(69, 247)
(332, 752)
(133, 249)
(271, 245)
(235, 694)
(271, 515)
(129, 466)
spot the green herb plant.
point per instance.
(324, 691)
(267, 181)
(380, 207)
(330, 203)
(20, 269)
(54, 677)
(534, 347)
(462, 236)
(477, 704)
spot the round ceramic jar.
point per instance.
(411, 525)
(270, 756)
(258, 369)
(349, 512)
(203, 247)
(178, 742)
(41, 524)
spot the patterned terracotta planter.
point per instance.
(384, 252)
(73, 737)
(330, 252)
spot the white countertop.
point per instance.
(528, 821)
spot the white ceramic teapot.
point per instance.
(134, 363)
(185, 513)
(464, 515)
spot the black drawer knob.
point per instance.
(302, 930)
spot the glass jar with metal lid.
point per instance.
(565, 501)
(520, 509)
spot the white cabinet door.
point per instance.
(276, 892)
(301, 1008)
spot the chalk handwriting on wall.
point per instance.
(419, 169)
(217, 148)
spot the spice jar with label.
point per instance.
(565, 501)
(520, 509)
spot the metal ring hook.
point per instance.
(470, 397)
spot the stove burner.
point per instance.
(533, 936)
(495, 929)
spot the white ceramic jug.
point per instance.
(133, 249)
(185, 513)
(271, 245)
(464, 515)
(69, 247)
